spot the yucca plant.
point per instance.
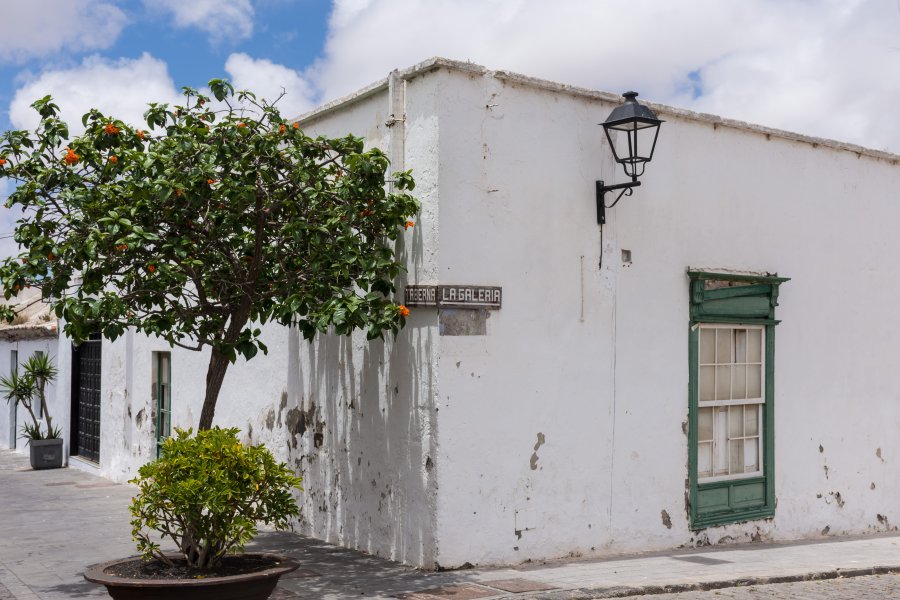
(31, 387)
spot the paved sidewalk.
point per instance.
(54, 523)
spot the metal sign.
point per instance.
(454, 296)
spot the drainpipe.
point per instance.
(397, 121)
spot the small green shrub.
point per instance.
(207, 493)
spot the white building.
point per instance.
(632, 392)
(33, 330)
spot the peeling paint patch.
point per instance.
(872, 486)
(878, 454)
(837, 499)
(139, 418)
(666, 519)
(541, 440)
(270, 419)
(826, 530)
(298, 421)
(281, 406)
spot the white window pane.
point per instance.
(738, 382)
(735, 422)
(721, 442)
(736, 456)
(723, 383)
(754, 381)
(740, 345)
(751, 455)
(707, 383)
(705, 424)
(751, 419)
(723, 346)
(707, 346)
(754, 346)
(704, 460)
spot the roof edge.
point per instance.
(660, 109)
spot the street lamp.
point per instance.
(641, 127)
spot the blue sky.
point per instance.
(287, 32)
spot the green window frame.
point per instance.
(737, 305)
(162, 396)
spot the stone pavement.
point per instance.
(54, 523)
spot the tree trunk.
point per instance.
(218, 365)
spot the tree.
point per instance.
(216, 218)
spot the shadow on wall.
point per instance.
(361, 432)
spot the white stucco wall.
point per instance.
(371, 484)
(562, 430)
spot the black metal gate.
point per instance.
(85, 424)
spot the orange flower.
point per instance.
(178, 192)
(3, 160)
(296, 125)
(282, 128)
(210, 181)
(71, 158)
(408, 224)
(111, 129)
(404, 312)
(113, 159)
(151, 268)
(51, 256)
(140, 133)
(121, 247)
(241, 124)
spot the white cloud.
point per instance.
(267, 80)
(221, 19)
(120, 88)
(824, 68)
(42, 27)
(8, 218)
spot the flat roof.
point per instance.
(435, 63)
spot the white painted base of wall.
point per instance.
(82, 464)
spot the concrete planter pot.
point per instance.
(249, 586)
(46, 454)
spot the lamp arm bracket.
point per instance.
(602, 189)
(625, 192)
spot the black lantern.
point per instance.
(640, 127)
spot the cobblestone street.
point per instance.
(874, 587)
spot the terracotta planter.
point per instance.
(46, 454)
(249, 586)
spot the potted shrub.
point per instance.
(206, 493)
(46, 442)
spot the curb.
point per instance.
(596, 593)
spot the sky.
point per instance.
(828, 68)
